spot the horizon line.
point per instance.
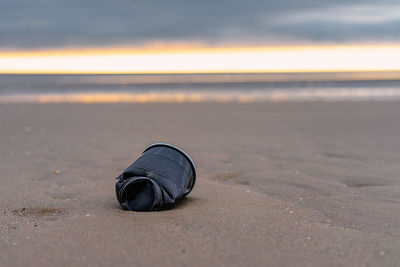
(317, 71)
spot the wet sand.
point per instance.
(279, 184)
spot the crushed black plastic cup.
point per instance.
(157, 180)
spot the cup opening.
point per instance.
(140, 195)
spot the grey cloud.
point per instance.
(342, 32)
(54, 23)
(361, 14)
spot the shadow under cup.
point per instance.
(157, 180)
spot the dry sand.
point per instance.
(300, 184)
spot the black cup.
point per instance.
(158, 179)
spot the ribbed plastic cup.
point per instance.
(157, 180)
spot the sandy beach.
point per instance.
(279, 184)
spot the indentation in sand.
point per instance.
(364, 181)
(35, 212)
(226, 176)
(243, 182)
(339, 155)
(65, 196)
(350, 183)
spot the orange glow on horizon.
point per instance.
(199, 59)
(209, 96)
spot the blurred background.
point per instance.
(177, 51)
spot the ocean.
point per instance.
(228, 87)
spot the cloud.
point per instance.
(358, 14)
(55, 23)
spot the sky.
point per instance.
(82, 25)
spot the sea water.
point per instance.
(227, 87)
